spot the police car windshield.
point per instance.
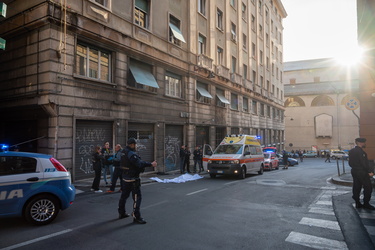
(229, 149)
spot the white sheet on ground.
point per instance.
(181, 179)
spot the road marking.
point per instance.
(197, 191)
(37, 239)
(156, 204)
(317, 210)
(328, 203)
(320, 223)
(232, 182)
(79, 191)
(370, 230)
(315, 242)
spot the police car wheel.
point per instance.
(42, 209)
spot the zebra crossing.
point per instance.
(368, 220)
(322, 206)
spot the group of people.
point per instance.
(185, 159)
(127, 167)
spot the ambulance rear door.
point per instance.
(207, 153)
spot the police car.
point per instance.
(35, 186)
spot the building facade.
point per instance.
(76, 74)
(366, 39)
(321, 105)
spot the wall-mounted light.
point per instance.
(373, 94)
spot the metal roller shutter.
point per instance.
(89, 134)
(172, 141)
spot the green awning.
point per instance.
(222, 99)
(143, 76)
(204, 92)
(177, 32)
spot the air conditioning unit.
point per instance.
(184, 114)
(234, 37)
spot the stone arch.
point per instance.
(322, 100)
(294, 101)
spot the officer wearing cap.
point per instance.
(132, 166)
(361, 173)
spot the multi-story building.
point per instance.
(321, 105)
(75, 74)
(366, 35)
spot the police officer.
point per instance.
(361, 173)
(132, 166)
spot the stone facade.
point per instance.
(75, 74)
(317, 93)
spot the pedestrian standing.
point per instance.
(300, 154)
(328, 157)
(197, 157)
(187, 158)
(182, 159)
(132, 166)
(361, 173)
(285, 160)
(107, 163)
(97, 159)
(117, 173)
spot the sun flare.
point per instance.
(350, 57)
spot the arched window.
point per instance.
(322, 100)
(294, 102)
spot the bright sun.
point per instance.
(350, 57)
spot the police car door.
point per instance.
(207, 152)
(17, 177)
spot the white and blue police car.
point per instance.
(35, 186)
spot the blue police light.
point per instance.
(4, 147)
(258, 137)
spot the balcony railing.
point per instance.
(247, 84)
(236, 78)
(205, 62)
(257, 89)
(222, 71)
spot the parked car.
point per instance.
(35, 186)
(271, 161)
(310, 154)
(291, 161)
(338, 154)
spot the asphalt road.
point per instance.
(281, 209)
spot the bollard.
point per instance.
(343, 165)
(338, 167)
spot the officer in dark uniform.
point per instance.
(132, 166)
(361, 173)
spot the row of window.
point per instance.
(95, 63)
(100, 65)
(203, 95)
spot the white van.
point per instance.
(236, 155)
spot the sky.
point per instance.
(319, 29)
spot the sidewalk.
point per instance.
(360, 236)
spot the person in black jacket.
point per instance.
(97, 159)
(117, 173)
(361, 173)
(132, 166)
(182, 159)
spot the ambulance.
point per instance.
(235, 155)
